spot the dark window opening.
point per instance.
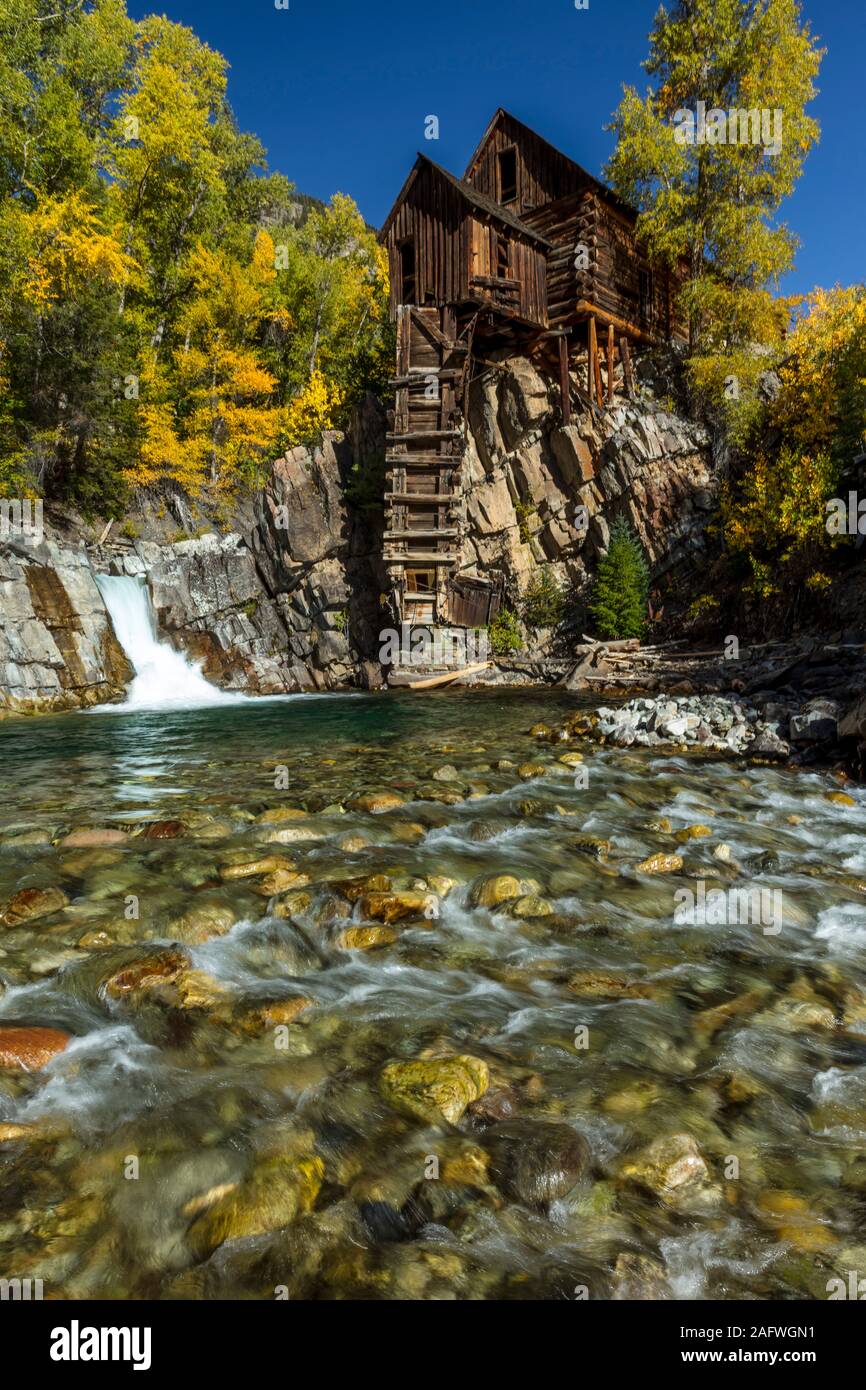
(407, 272)
(508, 175)
(421, 581)
(646, 294)
(502, 257)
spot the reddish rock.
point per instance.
(146, 973)
(31, 903)
(165, 830)
(28, 1049)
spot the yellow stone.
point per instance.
(253, 868)
(527, 771)
(692, 832)
(365, 938)
(490, 892)
(379, 801)
(661, 864)
(435, 1088)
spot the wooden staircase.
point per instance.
(423, 460)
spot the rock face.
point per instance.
(292, 602)
(57, 646)
(526, 477)
(287, 601)
(296, 596)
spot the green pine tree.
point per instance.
(619, 599)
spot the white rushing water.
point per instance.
(164, 678)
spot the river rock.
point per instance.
(527, 772)
(671, 1168)
(601, 984)
(661, 864)
(164, 830)
(32, 903)
(447, 773)
(253, 868)
(532, 906)
(25, 838)
(30, 1049)
(379, 801)
(285, 1182)
(536, 1161)
(638, 1278)
(365, 938)
(201, 923)
(280, 881)
(496, 889)
(692, 832)
(817, 722)
(435, 1088)
(279, 1013)
(392, 907)
(292, 835)
(353, 844)
(145, 973)
(98, 838)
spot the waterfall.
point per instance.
(163, 677)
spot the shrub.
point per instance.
(504, 633)
(543, 602)
(619, 599)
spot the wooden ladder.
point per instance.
(424, 452)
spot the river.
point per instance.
(192, 1140)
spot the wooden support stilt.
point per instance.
(610, 364)
(590, 353)
(626, 367)
(564, 383)
(595, 383)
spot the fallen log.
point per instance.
(430, 682)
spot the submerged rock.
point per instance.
(379, 801)
(254, 868)
(30, 1049)
(94, 839)
(639, 1278)
(661, 864)
(600, 984)
(536, 1161)
(32, 903)
(365, 938)
(285, 1182)
(490, 892)
(435, 1088)
(393, 907)
(671, 1168)
(146, 973)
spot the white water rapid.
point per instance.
(164, 678)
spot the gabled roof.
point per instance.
(597, 184)
(488, 206)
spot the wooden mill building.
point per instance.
(526, 250)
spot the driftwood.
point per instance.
(430, 682)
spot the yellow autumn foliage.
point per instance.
(775, 515)
(68, 248)
(313, 410)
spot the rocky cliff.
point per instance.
(57, 646)
(528, 479)
(294, 597)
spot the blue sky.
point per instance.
(338, 91)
